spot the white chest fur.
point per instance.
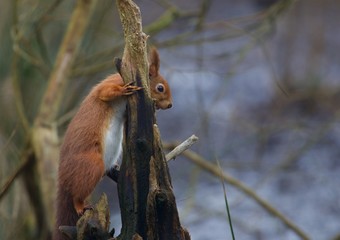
(113, 136)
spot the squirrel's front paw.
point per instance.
(129, 88)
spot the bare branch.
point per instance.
(14, 175)
(181, 148)
(215, 170)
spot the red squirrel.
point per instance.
(93, 140)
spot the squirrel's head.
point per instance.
(159, 87)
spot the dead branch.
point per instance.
(94, 224)
(147, 203)
(133, 177)
(181, 148)
(14, 175)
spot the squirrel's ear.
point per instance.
(154, 62)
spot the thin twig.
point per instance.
(16, 173)
(214, 170)
(296, 155)
(15, 76)
(181, 148)
(66, 117)
(9, 139)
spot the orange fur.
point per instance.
(89, 149)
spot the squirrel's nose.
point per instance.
(169, 105)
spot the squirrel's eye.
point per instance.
(160, 87)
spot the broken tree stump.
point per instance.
(147, 203)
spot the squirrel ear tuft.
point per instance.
(154, 62)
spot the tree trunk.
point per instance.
(147, 203)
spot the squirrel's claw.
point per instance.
(129, 89)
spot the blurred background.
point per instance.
(256, 80)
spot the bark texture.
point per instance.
(147, 203)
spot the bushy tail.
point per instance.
(66, 214)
